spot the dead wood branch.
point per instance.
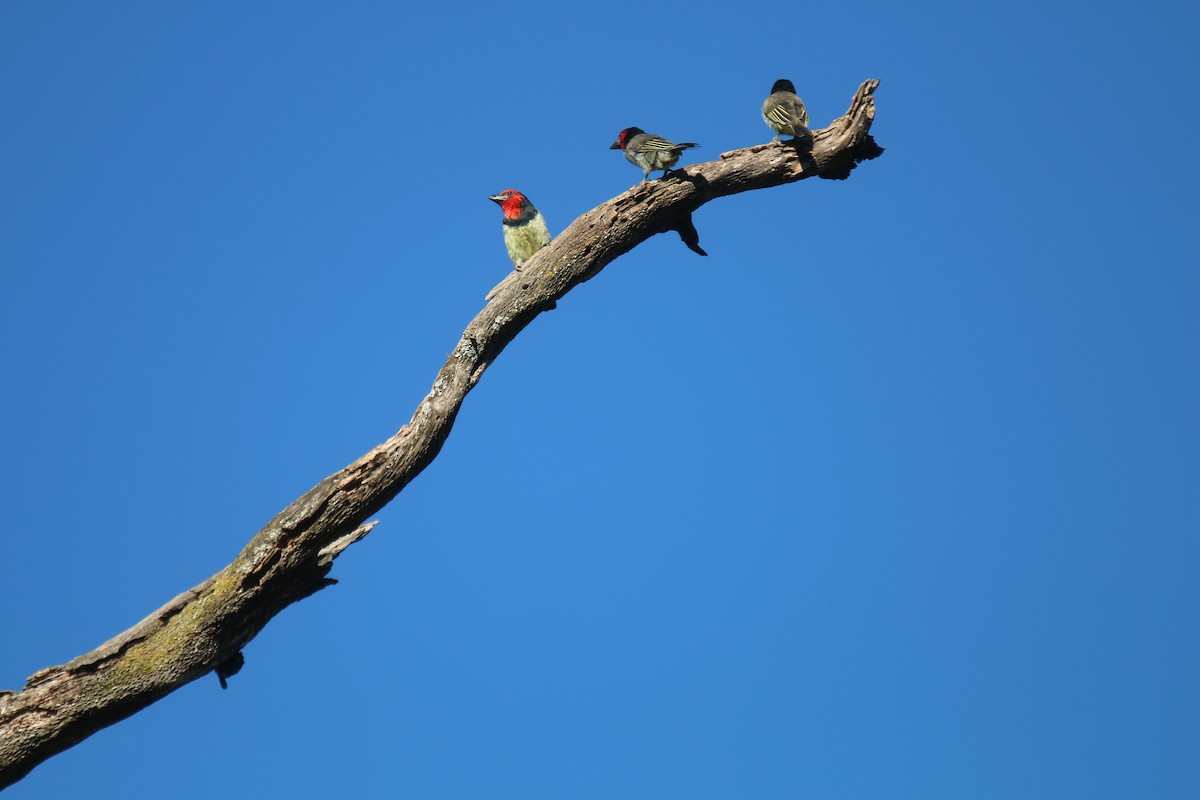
(205, 628)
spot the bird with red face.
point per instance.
(648, 151)
(525, 230)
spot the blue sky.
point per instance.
(896, 494)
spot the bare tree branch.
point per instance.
(205, 628)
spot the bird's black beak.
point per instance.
(615, 146)
(496, 198)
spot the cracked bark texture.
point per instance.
(205, 628)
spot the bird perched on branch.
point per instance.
(525, 230)
(648, 151)
(784, 112)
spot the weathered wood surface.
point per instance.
(205, 628)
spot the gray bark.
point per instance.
(205, 628)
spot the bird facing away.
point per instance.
(784, 112)
(525, 230)
(648, 151)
